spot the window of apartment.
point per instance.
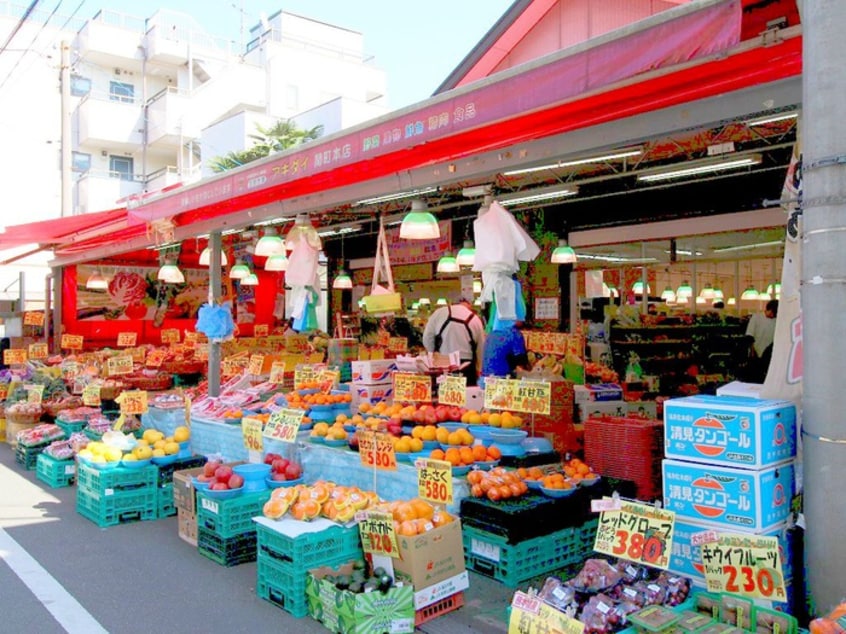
(120, 91)
(292, 97)
(80, 161)
(121, 167)
(79, 85)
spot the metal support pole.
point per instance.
(66, 143)
(823, 298)
(58, 327)
(214, 299)
(48, 307)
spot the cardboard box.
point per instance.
(597, 392)
(427, 596)
(363, 613)
(432, 557)
(739, 388)
(371, 393)
(587, 409)
(373, 371)
(686, 558)
(475, 398)
(642, 409)
(187, 523)
(751, 501)
(729, 430)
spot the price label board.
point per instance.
(383, 338)
(328, 380)
(34, 318)
(251, 429)
(70, 369)
(376, 450)
(530, 615)
(170, 335)
(127, 339)
(283, 425)
(412, 388)
(139, 355)
(532, 397)
(155, 358)
(434, 480)
(452, 390)
(38, 351)
(296, 344)
(377, 534)
(256, 364)
(398, 344)
(91, 396)
(499, 393)
(744, 564)
(34, 393)
(201, 351)
(14, 356)
(119, 365)
(277, 372)
(261, 330)
(637, 532)
(192, 337)
(305, 374)
(72, 342)
(133, 402)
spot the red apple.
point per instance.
(455, 413)
(429, 418)
(278, 477)
(219, 486)
(293, 471)
(223, 473)
(442, 413)
(418, 416)
(204, 478)
(270, 457)
(210, 467)
(279, 465)
(236, 481)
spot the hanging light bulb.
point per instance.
(419, 223)
(250, 280)
(169, 273)
(467, 254)
(612, 290)
(425, 301)
(684, 291)
(447, 264)
(774, 290)
(239, 271)
(563, 253)
(707, 292)
(668, 295)
(343, 281)
(277, 262)
(732, 301)
(270, 244)
(205, 257)
(637, 288)
(96, 281)
(750, 294)
(441, 301)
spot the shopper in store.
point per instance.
(761, 328)
(505, 352)
(457, 328)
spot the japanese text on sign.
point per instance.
(499, 393)
(284, 425)
(398, 344)
(14, 356)
(69, 369)
(637, 532)
(91, 395)
(256, 364)
(34, 393)
(33, 319)
(376, 450)
(192, 337)
(530, 615)
(38, 351)
(251, 430)
(170, 335)
(72, 342)
(139, 355)
(412, 388)
(127, 339)
(304, 374)
(328, 380)
(749, 565)
(120, 365)
(378, 535)
(155, 358)
(133, 401)
(532, 397)
(261, 330)
(434, 480)
(452, 390)
(296, 343)
(277, 372)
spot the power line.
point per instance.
(20, 23)
(31, 44)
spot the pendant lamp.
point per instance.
(467, 254)
(96, 282)
(343, 281)
(477, 286)
(668, 295)
(684, 291)
(441, 301)
(774, 290)
(718, 294)
(277, 262)
(250, 280)
(447, 264)
(707, 292)
(563, 253)
(169, 273)
(750, 294)
(425, 301)
(270, 244)
(205, 258)
(419, 223)
(637, 288)
(239, 271)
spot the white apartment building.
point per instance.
(152, 99)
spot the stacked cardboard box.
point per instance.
(372, 381)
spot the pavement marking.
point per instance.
(65, 609)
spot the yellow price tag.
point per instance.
(133, 401)
(72, 342)
(127, 339)
(277, 372)
(251, 429)
(499, 393)
(296, 344)
(283, 425)
(398, 344)
(530, 615)
(328, 380)
(14, 356)
(155, 358)
(745, 564)
(637, 532)
(35, 318)
(91, 395)
(34, 393)
(191, 337)
(255, 365)
(170, 335)
(304, 374)
(120, 365)
(261, 330)
(376, 450)
(412, 388)
(452, 390)
(378, 535)
(434, 480)
(532, 397)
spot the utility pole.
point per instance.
(64, 81)
(823, 298)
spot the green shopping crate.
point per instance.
(71, 427)
(310, 549)
(164, 501)
(56, 473)
(227, 552)
(228, 518)
(101, 481)
(118, 507)
(27, 457)
(283, 583)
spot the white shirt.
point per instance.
(455, 337)
(762, 328)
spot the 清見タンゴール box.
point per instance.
(728, 430)
(376, 371)
(727, 497)
(370, 393)
(686, 558)
(430, 557)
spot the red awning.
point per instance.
(49, 233)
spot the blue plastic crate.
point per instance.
(56, 473)
(229, 518)
(117, 507)
(102, 481)
(310, 549)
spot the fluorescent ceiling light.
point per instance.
(613, 258)
(340, 231)
(548, 194)
(784, 116)
(399, 195)
(743, 247)
(684, 252)
(585, 161)
(693, 168)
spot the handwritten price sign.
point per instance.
(201, 351)
(499, 393)
(38, 351)
(170, 335)
(120, 365)
(277, 372)
(256, 364)
(637, 532)
(413, 388)
(328, 380)
(305, 374)
(296, 343)
(749, 565)
(34, 319)
(284, 425)
(398, 344)
(378, 535)
(72, 342)
(530, 615)
(34, 393)
(133, 402)
(251, 430)
(261, 330)
(532, 397)
(434, 480)
(452, 390)
(91, 396)
(14, 356)
(127, 339)
(376, 450)
(155, 358)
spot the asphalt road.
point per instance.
(62, 573)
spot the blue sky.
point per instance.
(417, 42)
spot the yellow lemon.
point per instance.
(128, 457)
(171, 448)
(112, 454)
(152, 435)
(181, 434)
(158, 453)
(159, 444)
(142, 452)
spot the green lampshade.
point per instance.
(441, 302)
(270, 244)
(170, 274)
(276, 263)
(684, 291)
(467, 254)
(563, 254)
(448, 264)
(750, 294)
(239, 271)
(342, 281)
(250, 280)
(668, 295)
(637, 288)
(419, 224)
(707, 292)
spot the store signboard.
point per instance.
(558, 343)
(744, 564)
(637, 532)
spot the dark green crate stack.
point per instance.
(226, 533)
(109, 497)
(283, 561)
(56, 473)
(27, 457)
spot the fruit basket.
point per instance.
(52, 408)
(23, 413)
(157, 383)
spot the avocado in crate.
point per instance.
(283, 583)
(230, 551)
(56, 473)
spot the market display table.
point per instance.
(319, 462)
